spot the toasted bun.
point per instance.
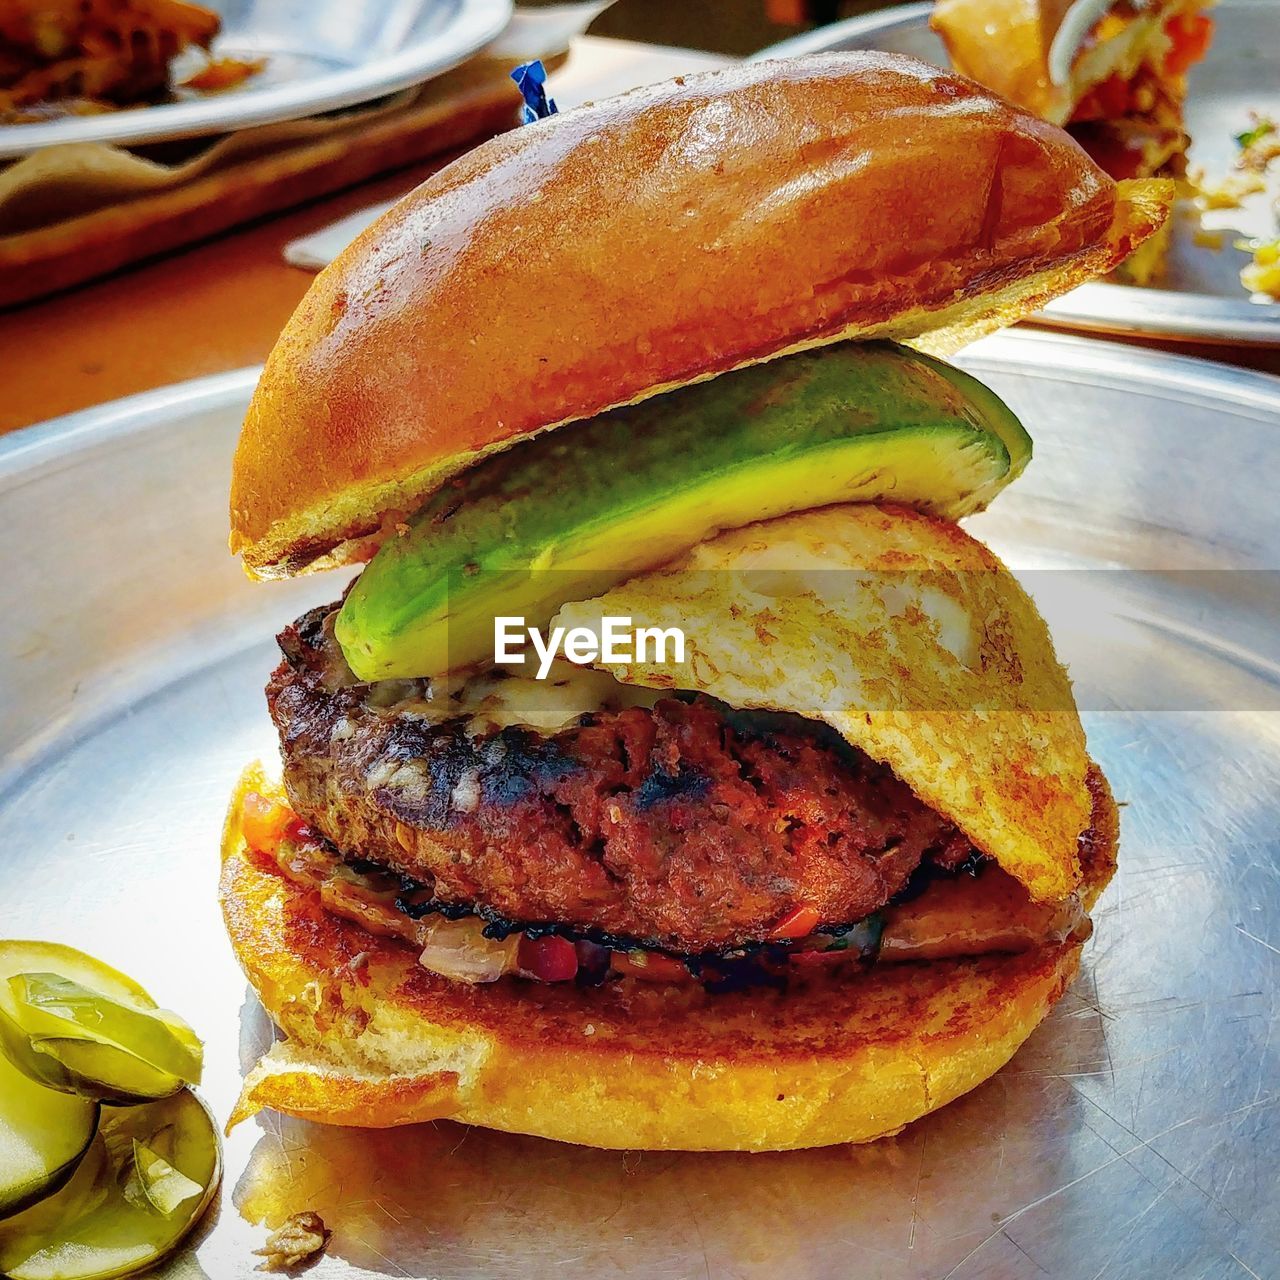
(663, 236)
(375, 1040)
(1005, 44)
(906, 636)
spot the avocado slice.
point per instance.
(568, 514)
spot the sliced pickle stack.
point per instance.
(107, 1159)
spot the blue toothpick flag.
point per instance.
(531, 79)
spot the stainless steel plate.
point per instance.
(321, 55)
(1136, 1134)
(1200, 296)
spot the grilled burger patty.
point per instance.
(684, 824)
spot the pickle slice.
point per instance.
(52, 957)
(43, 1135)
(162, 1037)
(105, 1222)
(79, 1026)
(100, 1071)
(46, 1003)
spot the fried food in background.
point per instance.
(93, 54)
(1114, 74)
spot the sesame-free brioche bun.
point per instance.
(375, 1040)
(671, 234)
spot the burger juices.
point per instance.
(829, 869)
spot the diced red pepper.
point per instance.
(299, 832)
(1191, 34)
(651, 966)
(548, 959)
(799, 922)
(265, 822)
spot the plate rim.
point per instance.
(55, 439)
(26, 449)
(1095, 307)
(474, 24)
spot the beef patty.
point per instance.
(684, 824)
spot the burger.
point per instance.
(670, 359)
(1112, 72)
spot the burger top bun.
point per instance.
(667, 235)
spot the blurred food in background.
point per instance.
(1113, 73)
(1259, 149)
(81, 57)
(206, 143)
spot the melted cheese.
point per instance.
(568, 692)
(493, 699)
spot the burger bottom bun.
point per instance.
(375, 1040)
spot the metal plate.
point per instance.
(1137, 1133)
(1200, 296)
(321, 55)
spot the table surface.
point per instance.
(220, 305)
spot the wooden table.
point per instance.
(220, 305)
(204, 310)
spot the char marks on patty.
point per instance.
(687, 824)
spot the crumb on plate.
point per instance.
(298, 1239)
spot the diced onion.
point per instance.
(457, 949)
